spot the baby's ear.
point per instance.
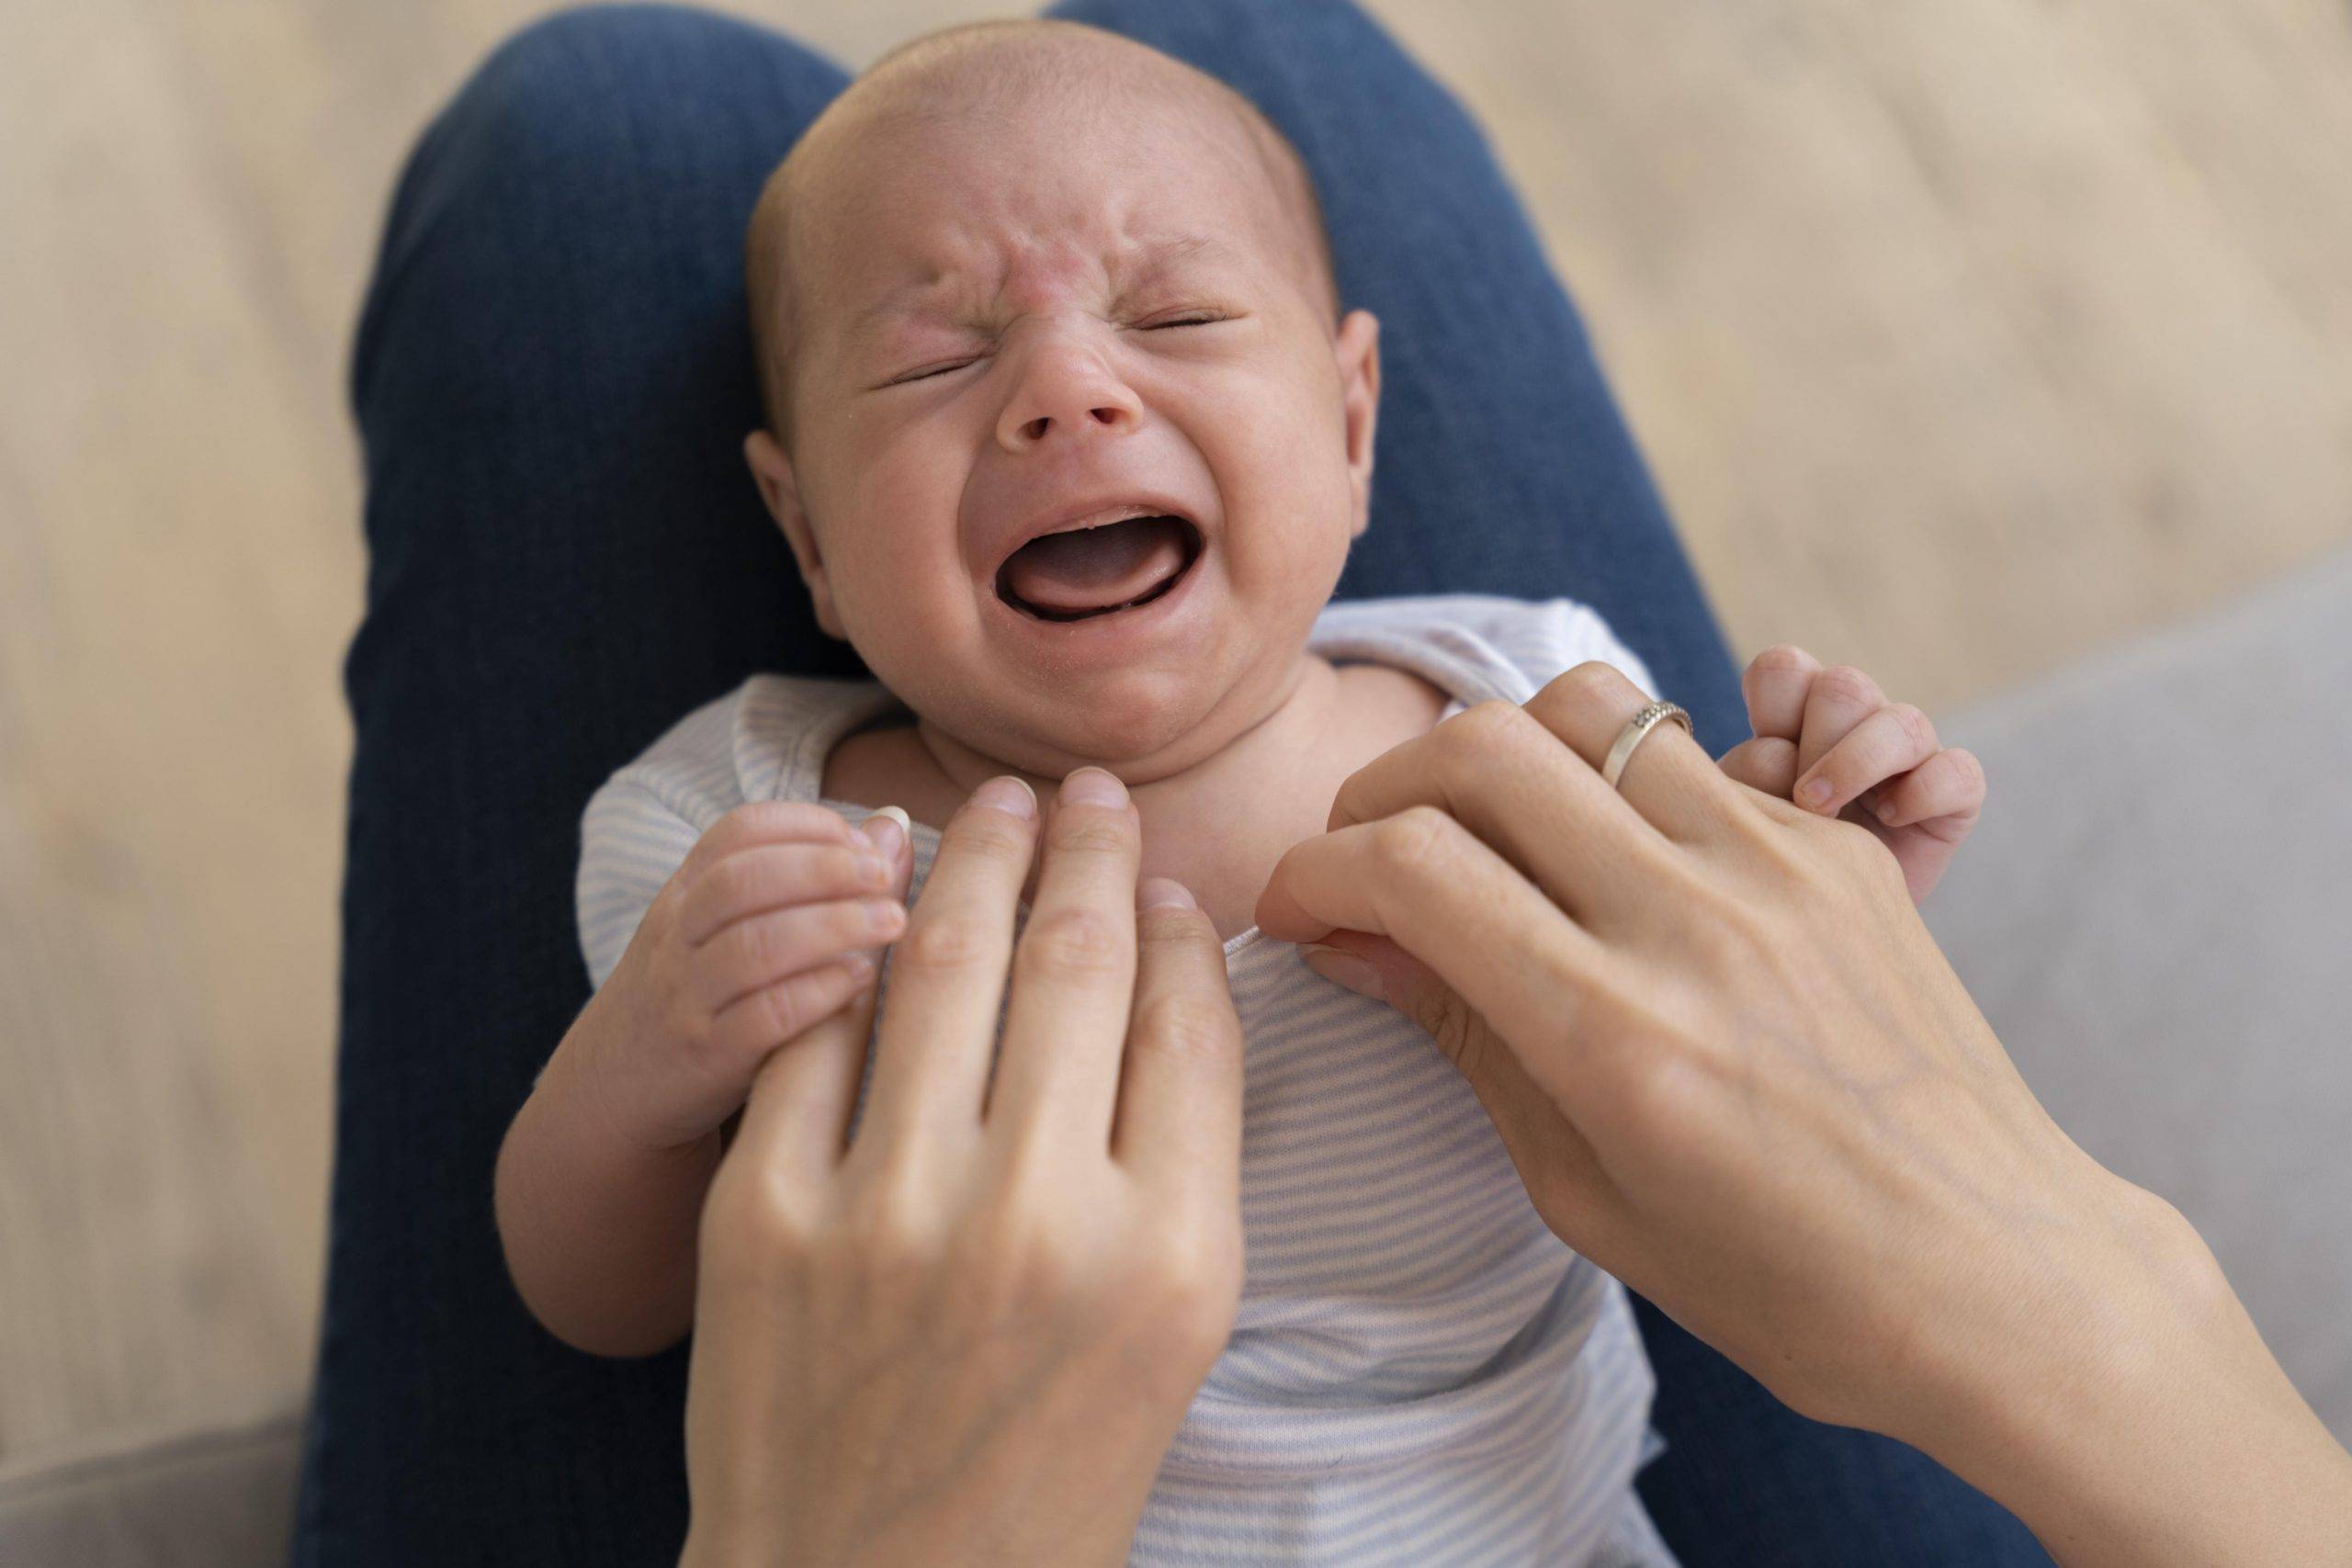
(772, 470)
(1357, 349)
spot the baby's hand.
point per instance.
(1879, 760)
(773, 921)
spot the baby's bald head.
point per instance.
(978, 76)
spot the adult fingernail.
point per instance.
(1341, 967)
(1815, 792)
(1163, 892)
(888, 827)
(1007, 792)
(1095, 786)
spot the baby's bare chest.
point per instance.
(1379, 708)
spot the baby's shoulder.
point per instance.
(764, 739)
(1512, 645)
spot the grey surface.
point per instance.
(2152, 914)
(214, 1496)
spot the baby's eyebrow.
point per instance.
(1129, 267)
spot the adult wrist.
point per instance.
(2090, 1360)
(2149, 1422)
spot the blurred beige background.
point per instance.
(1965, 339)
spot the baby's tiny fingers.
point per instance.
(1775, 683)
(772, 876)
(1894, 740)
(764, 949)
(1840, 699)
(1950, 785)
(1767, 764)
(748, 1028)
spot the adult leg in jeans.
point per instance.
(566, 554)
(551, 377)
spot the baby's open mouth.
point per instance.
(1099, 570)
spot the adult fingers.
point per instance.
(1841, 697)
(796, 1119)
(1775, 684)
(753, 1025)
(1670, 779)
(1446, 897)
(1178, 1121)
(803, 1099)
(1894, 740)
(1073, 972)
(1502, 773)
(760, 877)
(930, 1055)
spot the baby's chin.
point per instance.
(1142, 727)
(1143, 724)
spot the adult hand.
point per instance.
(969, 1332)
(1735, 1070)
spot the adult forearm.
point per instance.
(2159, 1429)
(599, 1229)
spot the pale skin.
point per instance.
(967, 1335)
(1031, 357)
(1775, 1111)
(1270, 423)
(1039, 338)
(763, 926)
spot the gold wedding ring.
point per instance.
(1640, 724)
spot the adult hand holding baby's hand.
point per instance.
(1829, 741)
(769, 924)
(1733, 1069)
(969, 1332)
(1833, 743)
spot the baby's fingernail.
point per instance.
(888, 827)
(1163, 892)
(1008, 793)
(1814, 791)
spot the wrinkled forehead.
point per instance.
(934, 212)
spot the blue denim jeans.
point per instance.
(551, 378)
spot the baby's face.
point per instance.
(1011, 324)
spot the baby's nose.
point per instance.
(1036, 428)
(1069, 390)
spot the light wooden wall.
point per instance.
(1965, 339)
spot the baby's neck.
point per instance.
(1217, 826)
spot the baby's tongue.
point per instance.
(1091, 568)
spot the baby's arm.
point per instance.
(1878, 763)
(767, 926)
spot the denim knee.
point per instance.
(599, 125)
(569, 86)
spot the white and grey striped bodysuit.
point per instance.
(1420, 1374)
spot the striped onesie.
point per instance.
(1421, 1372)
